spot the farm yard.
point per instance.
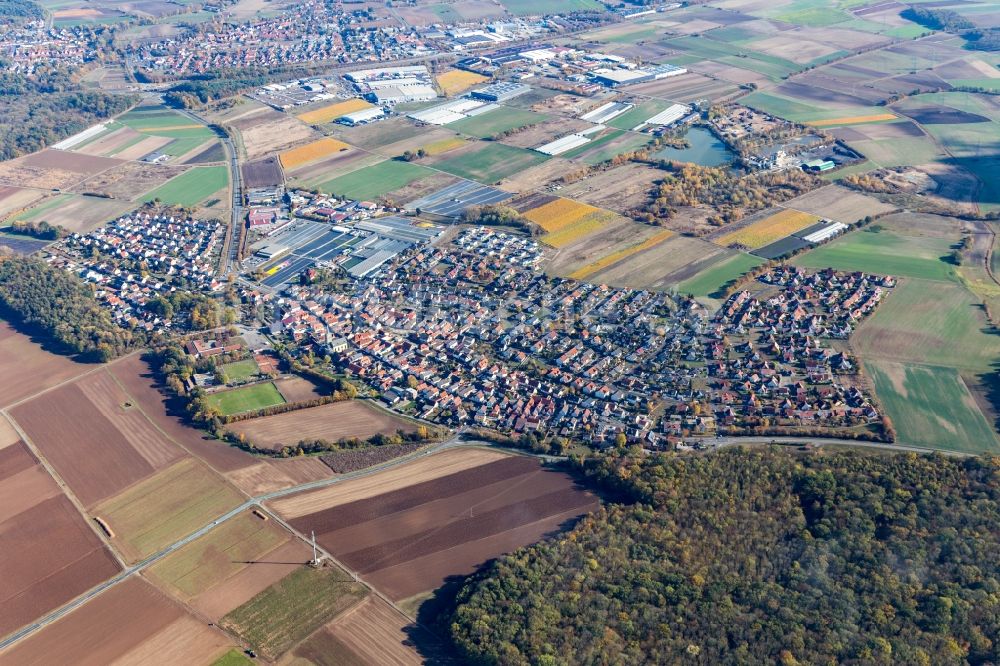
(407, 529)
(332, 422)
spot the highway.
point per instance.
(253, 502)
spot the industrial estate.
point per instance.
(371, 332)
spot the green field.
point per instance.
(246, 399)
(713, 279)
(884, 253)
(294, 607)
(899, 151)
(640, 113)
(736, 55)
(234, 658)
(530, 7)
(373, 181)
(191, 187)
(608, 147)
(218, 555)
(494, 122)
(241, 370)
(158, 120)
(932, 407)
(491, 162)
(167, 506)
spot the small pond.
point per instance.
(705, 149)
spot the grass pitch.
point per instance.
(241, 370)
(246, 399)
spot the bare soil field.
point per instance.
(130, 180)
(736, 75)
(28, 369)
(838, 204)
(262, 173)
(116, 625)
(619, 189)
(252, 579)
(330, 422)
(395, 478)
(80, 214)
(269, 131)
(297, 389)
(791, 46)
(538, 176)
(278, 474)
(8, 435)
(686, 88)
(47, 557)
(455, 521)
(67, 161)
(332, 167)
(670, 262)
(93, 456)
(15, 199)
(109, 144)
(19, 174)
(135, 377)
(373, 632)
(812, 90)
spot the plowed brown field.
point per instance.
(370, 633)
(27, 369)
(443, 522)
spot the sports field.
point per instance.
(712, 280)
(191, 187)
(931, 406)
(489, 162)
(883, 253)
(240, 370)
(246, 399)
(373, 181)
(294, 607)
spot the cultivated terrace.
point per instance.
(473, 334)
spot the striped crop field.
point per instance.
(766, 231)
(585, 226)
(559, 213)
(615, 257)
(853, 120)
(458, 80)
(311, 152)
(333, 111)
(444, 145)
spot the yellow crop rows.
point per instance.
(444, 145)
(851, 120)
(615, 257)
(559, 213)
(333, 111)
(584, 227)
(311, 152)
(769, 229)
(458, 80)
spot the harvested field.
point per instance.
(352, 460)
(458, 80)
(853, 120)
(838, 204)
(373, 632)
(130, 180)
(294, 607)
(121, 624)
(538, 176)
(333, 111)
(297, 389)
(67, 161)
(165, 507)
(620, 189)
(311, 152)
(331, 422)
(18, 174)
(78, 214)
(28, 369)
(277, 474)
(620, 255)
(262, 173)
(768, 230)
(268, 132)
(408, 539)
(15, 199)
(592, 248)
(667, 263)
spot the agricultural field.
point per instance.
(620, 255)
(883, 253)
(15, 199)
(159, 129)
(566, 221)
(165, 507)
(332, 112)
(487, 162)
(52, 169)
(261, 131)
(458, 80)
(75, 213)
(371, 182)
(410, 528)
(768, 230)
(619, 189)
(499, 120)
(245, 399)
(262, 173)
(529, 7)
(839, 204)
(331, 422)
(662, 265)
(607, 146)
(714, 278)
(48, 555)
(933, 407)
(296, 157)
(28, 369)
(130, 180)
(192, 187)
(294, 607)
(130, 623)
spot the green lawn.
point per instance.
(491, 162)
(240, 370)
(884, 253)
(494, 122)
(191, 187)
(714, 278)
(294, 607)
(373, 181)
(245, 399)
(932, 407)
(234, 658)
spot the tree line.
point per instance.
(755, 556)
(981, 39)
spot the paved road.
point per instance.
(251, 503)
